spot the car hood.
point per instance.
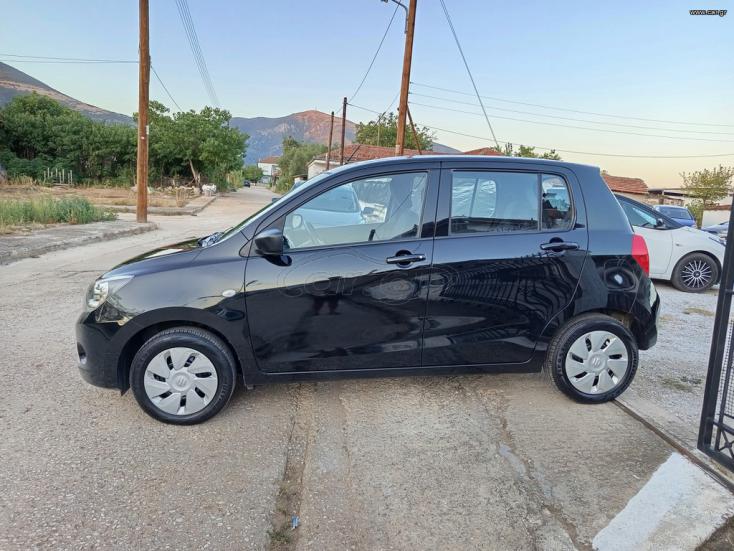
(159, 259)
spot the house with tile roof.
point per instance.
(634, 188)
(360, 152)
(269, 166)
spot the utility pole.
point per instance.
(405, 83)
(344, 127)
(143, 97)
(331, 134)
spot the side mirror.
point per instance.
(368, 211)
(659, 223)
(270, 242)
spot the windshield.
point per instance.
(274, 205)
(676, 212)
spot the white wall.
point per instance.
(711, 217)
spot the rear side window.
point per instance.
(637, 216)
(499, 202)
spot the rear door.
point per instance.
(510, 244)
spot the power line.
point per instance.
(570, 110)
(193, 39)
(69, 59)
(374, 57)
(572, 118)
(556, 124)
(484, 138)
(65, 62)
(164, 87)
(471, 77)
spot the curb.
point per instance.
(163, 211)
(22, 252)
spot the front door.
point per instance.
(509, 249)
(350, 291)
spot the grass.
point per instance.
(47, 210)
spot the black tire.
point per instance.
(188, 337)
(555, 360)
(695, 263)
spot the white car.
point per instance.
(690, 259)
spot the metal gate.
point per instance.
(716, 434)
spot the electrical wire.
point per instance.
(571, 110)
(466, 64)
(374, 57)
(67, 59)
(555, 124)
(193, 39)
(572, 118)
(164, 87)
(485, 138)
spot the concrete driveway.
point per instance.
(462, 462)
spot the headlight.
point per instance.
(102, 288)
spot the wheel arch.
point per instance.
(151, 325)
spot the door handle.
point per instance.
(559, 246)
(405, 258)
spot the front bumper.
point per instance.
(97, 359)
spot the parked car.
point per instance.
(690, 259)
(680, 214)
(478, 264)
(246, 183)
(719, 230)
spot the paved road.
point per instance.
(434, 462)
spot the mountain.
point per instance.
(15, 83)
(266, 134)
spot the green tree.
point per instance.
(528, 151)
(384, 132)
(201, 145)
(707, 186)
(294, 161)
(253, 173)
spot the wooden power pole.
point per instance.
(405, 83)
(143, 97)
(331, 135)
(344, 127)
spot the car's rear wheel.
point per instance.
(183, 376)
(695, 273)
(593, 358)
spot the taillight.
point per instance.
(640, 254)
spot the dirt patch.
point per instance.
(683, 383)
(699, 311)
(721, 540)
(117, 196)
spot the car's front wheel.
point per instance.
(695, 273)
(593, 358)
(183, 375)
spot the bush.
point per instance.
(47, 210)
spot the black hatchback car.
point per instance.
(429, 264)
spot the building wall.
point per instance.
(711, 217)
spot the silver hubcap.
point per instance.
(696, 274)
(180, 381)
(596, 362)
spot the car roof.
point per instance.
(460, 158)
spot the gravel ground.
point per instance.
(668, 388)
(474, 461)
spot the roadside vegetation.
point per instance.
(49, 210)
(43, 140)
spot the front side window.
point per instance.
(381, 208)
(494, 202)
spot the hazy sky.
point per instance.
(648, 59)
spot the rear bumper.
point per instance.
(645, 316)
(97, 362)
